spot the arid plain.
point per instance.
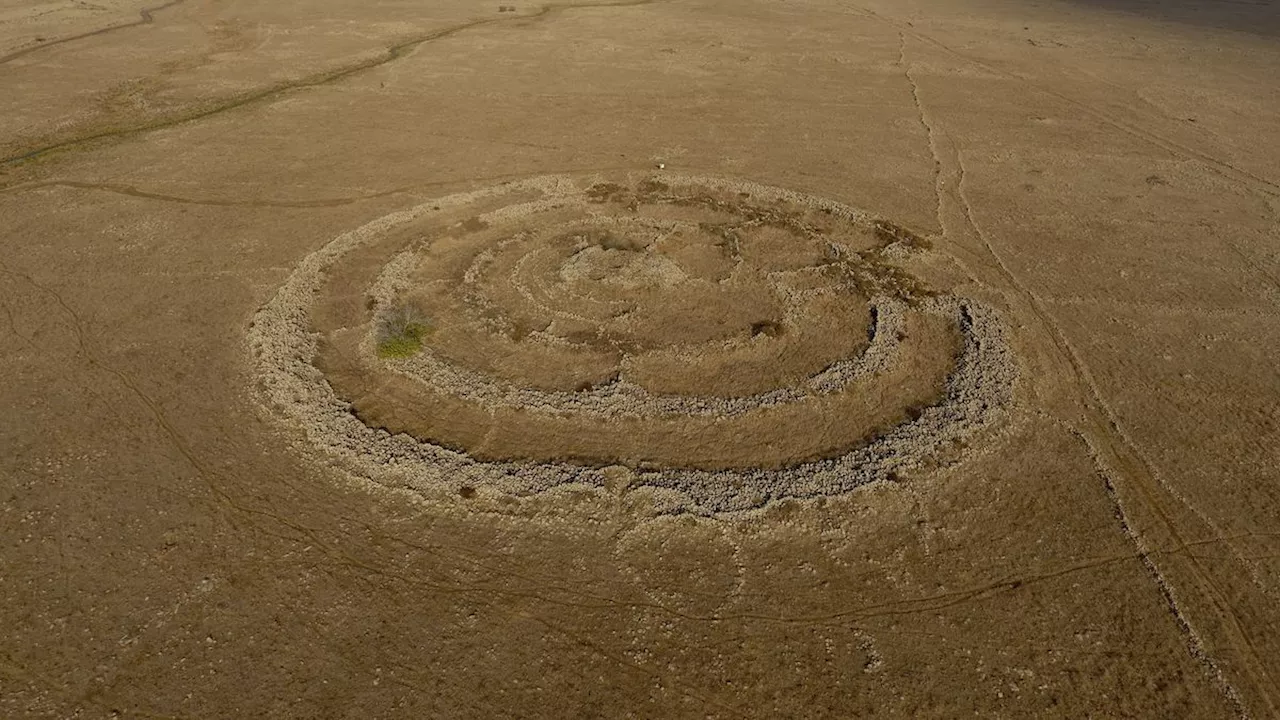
(756, 359)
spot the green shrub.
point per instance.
(401, 333)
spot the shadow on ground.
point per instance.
(1260, 17)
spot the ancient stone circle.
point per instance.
(715, 344)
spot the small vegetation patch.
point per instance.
(871, 273)
(769, 328)
(401, 333)
(890, 233)
(651, 186)
(606, 192)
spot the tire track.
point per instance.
(146, 16)
(1261, 185)
(133, 191)
(1195, 641)
(391, 54)
(1111, 442)
(923, 117)
(1112, 447)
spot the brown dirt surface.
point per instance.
(639, 359)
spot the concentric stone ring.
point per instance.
(718, 344)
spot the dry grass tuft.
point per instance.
(401, 333)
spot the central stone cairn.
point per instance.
(720, 344)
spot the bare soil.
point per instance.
(673, 467)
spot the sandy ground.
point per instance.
(1103, 175)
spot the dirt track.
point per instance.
(179, 540)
